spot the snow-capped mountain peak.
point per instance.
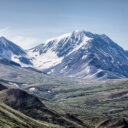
(78, 54)
(8, 45)
(3, 40)
(54, 50)
(81, 54)
(57, 39)
(11, 51)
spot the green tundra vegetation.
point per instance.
(89, 102)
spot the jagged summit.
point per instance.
(8, 45)
(11, 51)
(4, 42)
(2, 37)
(81, 54)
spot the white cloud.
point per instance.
(24, 42)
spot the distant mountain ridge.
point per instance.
(11, 51)
(82, 54)
(78, 54)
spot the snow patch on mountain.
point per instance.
(81, 45)
(44, 61)
(84, 57)
(57, 39)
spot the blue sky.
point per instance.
(31, 22)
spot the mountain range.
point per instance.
(78, 54)
(34, 93)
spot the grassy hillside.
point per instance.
(32, 106)
(10, 118)
(25, 77)
(93, 102)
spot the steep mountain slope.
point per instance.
(10, 118)
(11, 51)
(81, 54)
(32, 106)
